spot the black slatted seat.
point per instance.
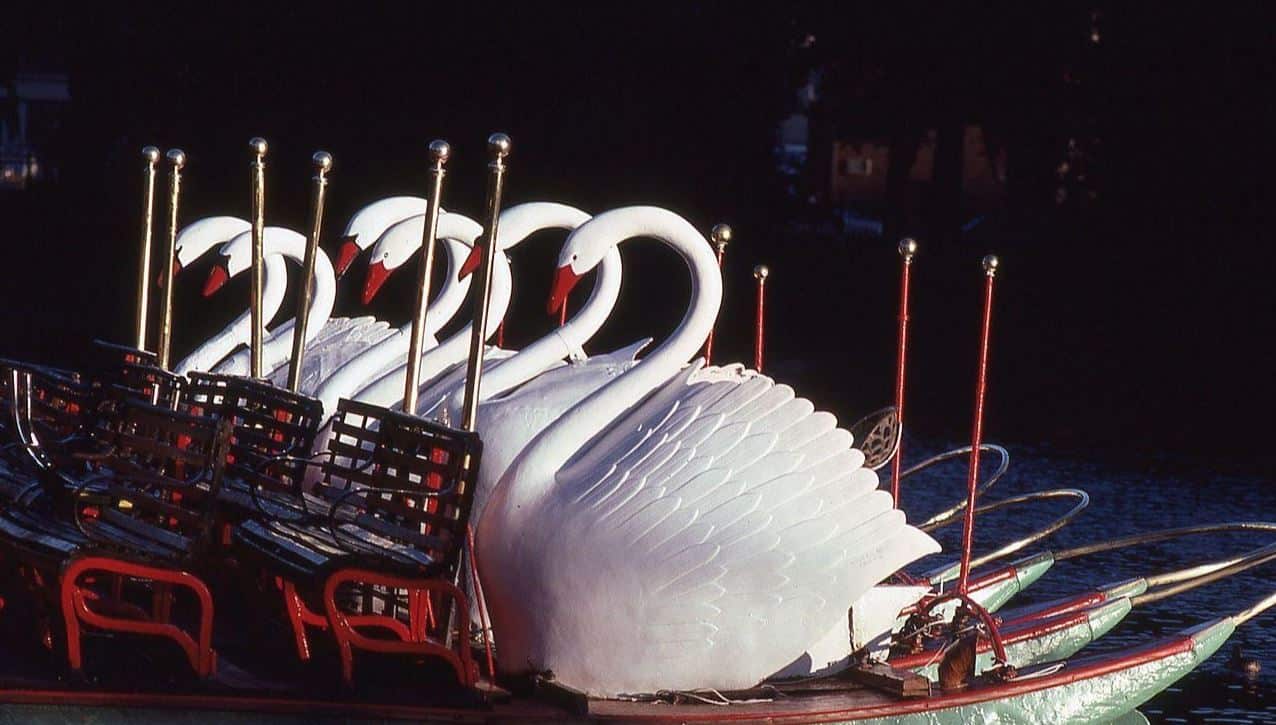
(131, 503)
(61, 400)
(137, 373)
(40, 536)
(401, 489)
(154, 491)
(383, 497)
(309, 549)
(62, 431)
(14, 481)
(273, 432)
(43, 412)
(49, 414)
(143, 514)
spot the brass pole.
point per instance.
(258, 147)
(498, 147)
(176, 160)
(323, 164)
(439, 152)
(719, 236)
(151, 155)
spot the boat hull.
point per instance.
(1097, 689)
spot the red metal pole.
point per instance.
(907, 248)
(990, 265)
(760, 273)
(718, 236)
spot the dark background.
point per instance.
(1140, 326)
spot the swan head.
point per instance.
(370, 223)
(402, 239)
(346, 252)
(579, 255)
(237, 254)
(199, 237)
(522, 221)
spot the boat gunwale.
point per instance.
(1074, 671)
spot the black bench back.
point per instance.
(410, 481)
(268, 422)
(47, 404)
(125, 372)
(159, 480)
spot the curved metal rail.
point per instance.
(1255, 558)
(950, 513)
(1083, 500)
(1153, 537)
(1245, 615)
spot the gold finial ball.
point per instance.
(761, 272)
(176, 157)
(907, 247)
(258, 145)
(498, 144)
(151, 154)
(440, 150)
(720, 235)
(322, 161)
(991, 264)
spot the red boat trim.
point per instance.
(1085, 601)
(987, 580)
(1084, 669)
(1094, 668)
(235, 703)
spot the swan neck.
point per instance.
(566, 340)
(325, 293)
(571, 432)
(218, 346)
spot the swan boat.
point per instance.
(109, 484)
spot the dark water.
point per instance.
(1125, 500)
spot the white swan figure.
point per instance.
(516, 224)
(509, 415)
(392, 250)
(681, 527)
(193, 242)
(386, 390)
(509, 418)
(369, 223)
(442, 367)
(331, 342)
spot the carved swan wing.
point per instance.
(711, 535)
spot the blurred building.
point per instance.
(849, 165)
(32, 109)
(859, 167)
